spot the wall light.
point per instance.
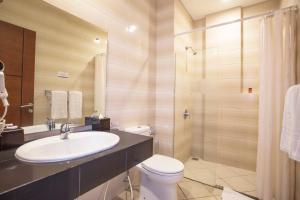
(131, 28)
(97, 41)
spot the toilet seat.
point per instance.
(163, 165)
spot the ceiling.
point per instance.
(200, 8)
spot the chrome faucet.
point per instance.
(65, 130)
(50, 124)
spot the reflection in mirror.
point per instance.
(55, 65)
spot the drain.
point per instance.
(195, 158)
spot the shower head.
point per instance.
(193, 50)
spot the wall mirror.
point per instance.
(49, 53)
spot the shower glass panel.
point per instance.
(196, 120)
(216, 105)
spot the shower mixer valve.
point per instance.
(186, 114)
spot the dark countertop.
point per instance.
(15, 174)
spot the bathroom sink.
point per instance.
(54, 149)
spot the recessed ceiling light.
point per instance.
(97, 40)
(131, 28)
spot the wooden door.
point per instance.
(17, 51)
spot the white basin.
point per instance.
(54, 149)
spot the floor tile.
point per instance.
(225, 172)
(218, 197)
(239, 184)
(250, 178)
(214, 191)
(188, 173)
(192, 189)
(215, 173)
(206, 198)
(204, 175)
(180, 194)
(184, 179)
(242, 172)
(252, 193)
(221, 182)
(126, 195)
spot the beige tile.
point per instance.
(224, 172)
(242, 172)
(214, 191)
(125, 195)
(193, 190)
(221, 182)
(180, 194)
(188, 173)
(206, 198)
(218, 197)
(250, 178)
(184, 180)
(239, 184)
(252, 193)
(205, 176)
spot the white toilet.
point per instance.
(159, 174)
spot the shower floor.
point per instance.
(212, 173)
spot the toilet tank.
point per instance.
(140, 130)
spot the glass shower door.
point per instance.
(195, 140)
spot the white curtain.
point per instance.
(275, 172)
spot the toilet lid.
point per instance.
(163, 164)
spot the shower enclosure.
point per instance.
(216, 103)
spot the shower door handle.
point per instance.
(186, 114)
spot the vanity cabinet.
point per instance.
(70, 179)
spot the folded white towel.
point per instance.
(229, 194)
(290, 134)
(75, 104)
(59, 104)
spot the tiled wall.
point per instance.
(165, 76)
(63, 43)
(225, 95)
